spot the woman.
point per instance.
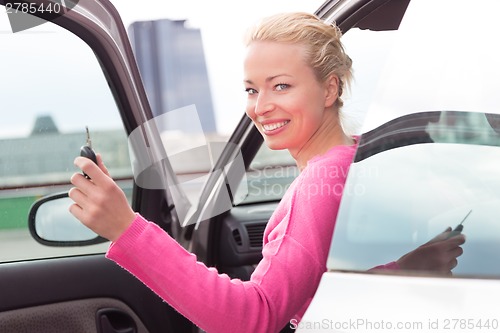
(295, 71)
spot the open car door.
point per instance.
(73, 57)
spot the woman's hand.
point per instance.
(99, 203)
(438, 255)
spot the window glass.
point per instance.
(403, 195)
(51, 88)
(428, 96)
(269, 175)
(414, 70)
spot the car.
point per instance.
(424, 93)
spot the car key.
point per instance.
(458, 229)
(87, 151)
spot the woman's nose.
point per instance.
(264, 104)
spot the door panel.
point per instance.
(46, 292)
(73, 316)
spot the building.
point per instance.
(46, 156)
(172, 64)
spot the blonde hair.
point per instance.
(325, 52)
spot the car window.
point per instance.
(270, 174)
(427, 98)
(402, 195)
(52, 88)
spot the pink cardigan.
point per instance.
(295, 249)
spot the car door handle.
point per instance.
(112, 320)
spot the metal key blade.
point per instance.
(89, 142)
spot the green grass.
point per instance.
(14, 212)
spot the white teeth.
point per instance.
(272, 127)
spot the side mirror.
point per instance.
(51, 223)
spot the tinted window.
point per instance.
(412, 181)
(51, 88)
(270, 174)
(429, 151)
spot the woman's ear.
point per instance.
(331, 90)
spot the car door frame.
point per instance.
(26, 284)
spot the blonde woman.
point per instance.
(295, 71)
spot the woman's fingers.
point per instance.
(77, 208)
(83, 184)
(459, 239)
(77, 196)
(77, 212)
(456, 252)
(442, 236)
(453, 263)
(95, 172)
(100, 204)
(101, 165)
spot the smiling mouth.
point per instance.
(274, 126)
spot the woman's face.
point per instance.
(285, 100)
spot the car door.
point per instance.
(72, 70)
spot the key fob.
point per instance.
(457, 231)
(87, 151)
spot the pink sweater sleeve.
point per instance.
(294, 258)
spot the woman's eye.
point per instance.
(251, 91)
(281, 86)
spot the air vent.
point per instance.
(237, 237)
(256, 234)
